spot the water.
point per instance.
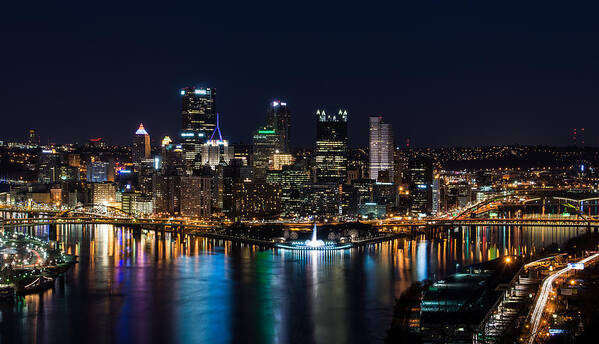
(146, 287)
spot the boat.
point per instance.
(314, 244)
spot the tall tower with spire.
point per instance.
(141, 145)
(216, 151)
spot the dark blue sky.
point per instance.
(444, 73)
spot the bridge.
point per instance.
(528, 196)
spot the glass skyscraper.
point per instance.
(331, 146)
(278, 118)
(381, 149)
(198, 110)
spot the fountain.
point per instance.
(313, 244)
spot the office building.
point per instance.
(48, 166)
(380, 150)
(103, 194)
(198, 110)
(420, 174)
(278, 118)
(100, 171)
(265, 143)
(331, 146)
(216, 151)
(141, 149)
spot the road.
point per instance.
(545, 292)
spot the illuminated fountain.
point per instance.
(313, 244)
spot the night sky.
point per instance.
(443, 73)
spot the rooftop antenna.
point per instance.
(217, 128)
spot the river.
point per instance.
(134, 286)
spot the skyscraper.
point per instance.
(420, 171)
(331, 146)
(216, 150)
(278, 118)
(198, 110)
(141, 145)
(33, 139)
(381, 149)
(265, 143)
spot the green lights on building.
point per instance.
(266, 131)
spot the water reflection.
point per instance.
(144, 286)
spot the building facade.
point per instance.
(381, 150)
(331, 146)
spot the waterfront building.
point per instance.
(198, 110)
(103, 194)
(295, 186)
(136, 204)
(278, 118)
(331, 146)
(141, 149)
(380, 149)
(325, 199)
(420, 173)
(196, 195)
(256, 199)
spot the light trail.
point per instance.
(546, 289)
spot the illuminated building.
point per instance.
(295, 184)
(325, 199)
(198, 110)
(216, 151)
(436, 195)
(100, 171)
(331, 146)
(381, 149)
(48, 167)
(141, 149)
(265, 143)
(33, 139)
(96, 143)
(420, 173)
(196, 196)
(103, 193)
(278, 118)
(243, 152)
(166, 141)
(136, 204)
(256, 199)
(281, 159)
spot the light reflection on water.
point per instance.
(132, 286)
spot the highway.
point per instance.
(545, 291)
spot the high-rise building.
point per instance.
(381, 149)
(278, 118)
(100, 171)
(33, 139)
(141, 149)
(331, 146)
(103, 194)
(216, 151)
(48, 166)
(195, 196)
(420, 173)
(198, 110)
(265, 141)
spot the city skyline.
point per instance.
(455, 65)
